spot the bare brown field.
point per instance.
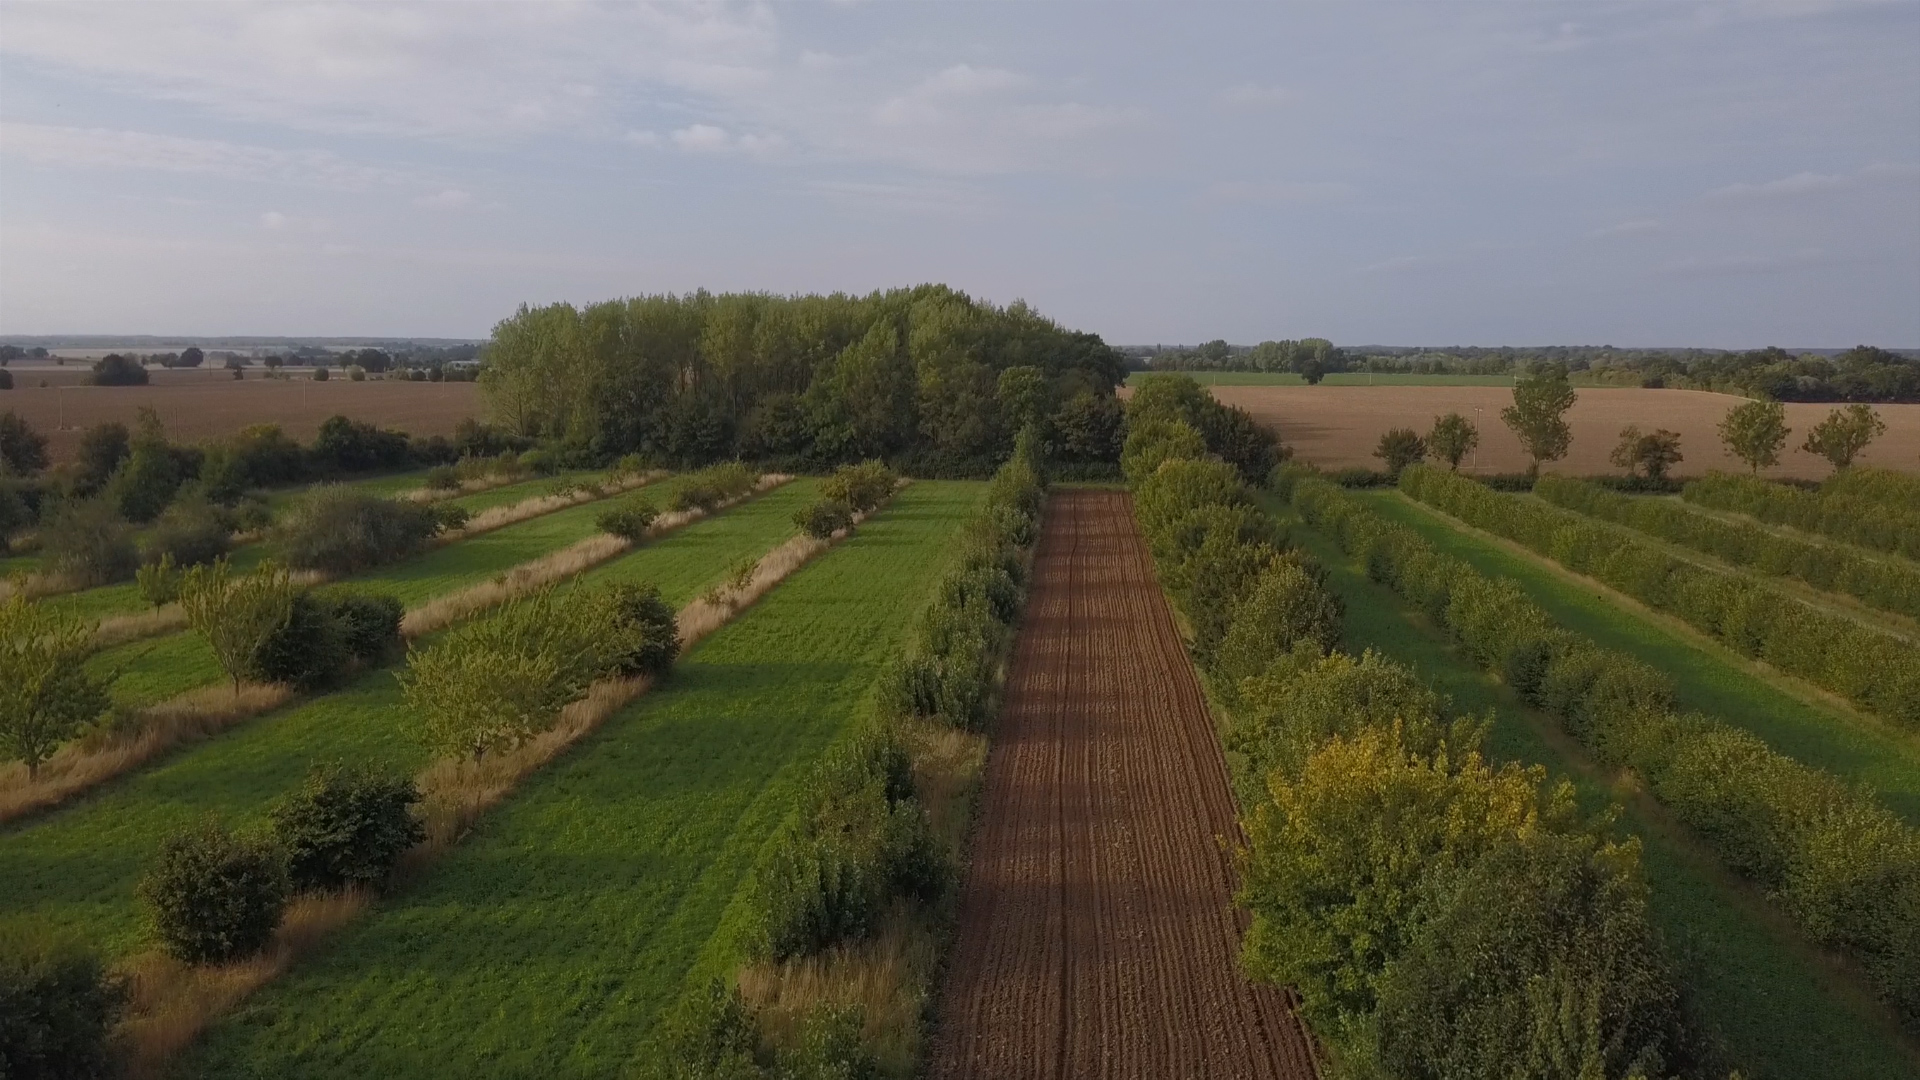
(201, 405)
(1338, 426)
(1098, 936)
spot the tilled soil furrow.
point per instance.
(1097, 933)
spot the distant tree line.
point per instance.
(928, 379)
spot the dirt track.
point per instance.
(1097, 934)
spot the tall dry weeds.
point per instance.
(173, 1003)
(888, 977)
(85, 763)
(120, 629)
(499, 517)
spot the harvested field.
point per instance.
(200, 405)
(1097, 932)
(1338, 426)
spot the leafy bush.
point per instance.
(212, 896)
(709, 488)
(320, 374)
(23, 451)
(102, 449)
(644, 634)
(347, 827)
(443, 478)
(862, 487)
(116, 370)
(1845, 508)
(6, 379)
(346, 446)
(58, 1005)
(341, 531)
(629, 519)
(324, 635)
(145, 483)
(191, 531)
(89, 543)
(822, 518)
(1399, 448)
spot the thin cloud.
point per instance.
(1805, 183)
(449, 199)
(101, 148)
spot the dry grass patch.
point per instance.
(888, 977)
(87, 762)
(171, 1003)
(499, 517)
(120, 629)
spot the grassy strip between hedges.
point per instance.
(1778, 1007)
(1874, 669)
(1887, 584)
(1796, 720)
(1845, 869)
(145, 672)
(1858, 506)
(123, 598)
(551, 941)
(77, 867)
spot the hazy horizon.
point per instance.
(1713, 175)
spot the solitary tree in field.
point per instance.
(1655, 452)
(1400, 448)
(1844, 433)
(1453, 437)
(236, 614)
(1754, 432)
(46, 692)
(1541, 399)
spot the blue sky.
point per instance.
(1714, 174)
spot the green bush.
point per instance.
(158, 582)
(344, 445)
(89, 543)
(643, 631)
(342, 531)
(708, 488)
(192, 531)
(23, 451)
(862, 487)
(630, 519)
(443, 478)
(325, 635)
(211, 896)
(58, 1006)
(822, 518)
(347, 827)
(1858, 511)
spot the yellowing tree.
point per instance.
(46, 693)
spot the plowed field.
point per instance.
(1097, 936)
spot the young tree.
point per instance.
(46, 693)
(23, 451)
(102, 449)
(1400, 448)
(494, 683)
(147, 481)
(1541, 399)
(1453, 437)
(1655, 451)
(236, 614)
(1754, 432)
(1844, 433)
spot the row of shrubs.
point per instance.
(1457, 940)
(859, 844)
(1842, 865)
(1890, 586)
(1872, 669)
(1858, 505)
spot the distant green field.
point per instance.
(1344, 378)
(552, 940)
(1709, 678)
(77, 866)
(1773, 1002)
(158, 668)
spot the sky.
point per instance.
(1492, 173)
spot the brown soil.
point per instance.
(199, 405)
(1338, 426)
(1097, 932)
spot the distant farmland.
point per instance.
(1338, 426)
(201, 404)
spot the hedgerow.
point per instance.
(1362, 919)
(1853, 506)
(343, 531)
(1890, 586)
(709, 488)
(1843, 866)
(1875, 670)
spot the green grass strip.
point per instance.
(1779, 1008)
(552, 940)
(158, 668)
(1708, 677)
(76, 867)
